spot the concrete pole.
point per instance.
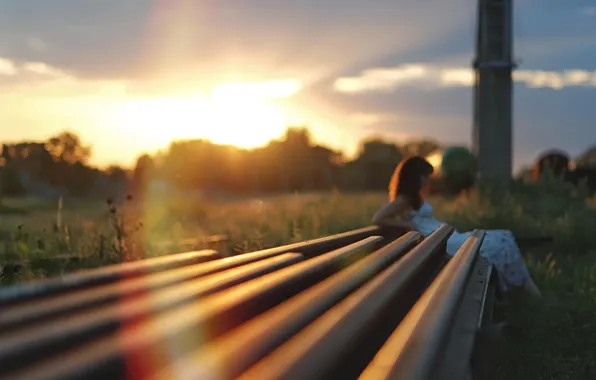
(493, 92)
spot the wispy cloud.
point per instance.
(590, 11)
(7, 67)
(40, 80)
(390, 79)
(555, 80)
(461, 77)
(382, 79)
(12, 68)
(43, 69)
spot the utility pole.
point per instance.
(492, 126)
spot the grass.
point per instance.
(560, 329)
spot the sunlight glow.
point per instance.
(435, 159)
(236, 114)
(263, 90)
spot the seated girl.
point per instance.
(407, 208)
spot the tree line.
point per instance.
(58, 166)
(293, 162)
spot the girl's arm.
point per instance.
(388, 215)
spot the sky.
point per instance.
(131, 75)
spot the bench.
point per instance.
(374, 303)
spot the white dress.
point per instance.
(499, 247)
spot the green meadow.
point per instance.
(40, 238)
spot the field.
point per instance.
(559, 329)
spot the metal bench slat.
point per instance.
(311, 353)
(326, 244)
(194, 323)
(102, 275)
(413, 348)
(230, 355)
(57, 305)
(468, 320)
(79, 328)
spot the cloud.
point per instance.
(391, 78)
(36, 80)
(7, 67)
(12, 68)
(43, 69)
(31, 79)
(381, 79)
(421, 75)
(555, 80)
(591, 11)
(461, 77)
(116, 39)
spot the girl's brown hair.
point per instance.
(406, 180)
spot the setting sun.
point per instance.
(237, 114)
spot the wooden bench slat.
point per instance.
(194, 323)
(55, 305)
(230, 355)
(315, 349)
(102, 275)
(413, 348)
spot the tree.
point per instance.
(296, 156)
(374, 165)
(67, 147)
(298, 138)
(376, 150)
(143, 168)
(420, 148)
(588, 158)
(326, 167)
(116, 173)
